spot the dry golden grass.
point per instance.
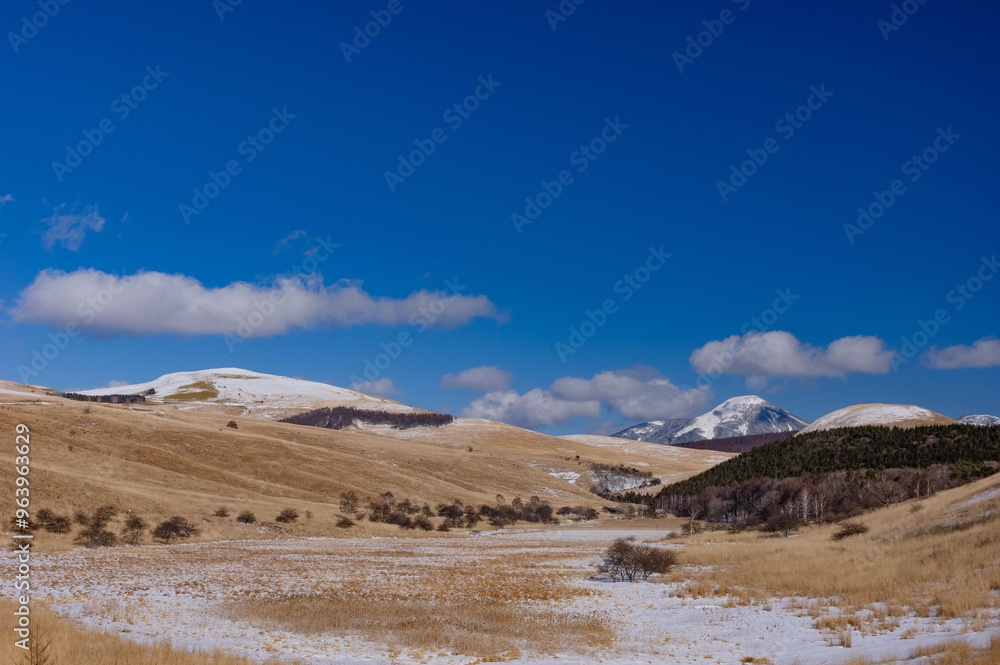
(496, 603)
(950, 653)
(180, 462)
(70, 644)
(491, 627)
(940, 561)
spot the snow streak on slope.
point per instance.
(893, 415)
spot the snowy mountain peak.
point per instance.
(738, 416)
(743, 401)
(981, 419)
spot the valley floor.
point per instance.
(524, 596)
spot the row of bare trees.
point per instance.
(819, 498)
(341, 417)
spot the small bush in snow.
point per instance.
(625, 560)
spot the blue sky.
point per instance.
(173, 165)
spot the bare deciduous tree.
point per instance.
(349, 501)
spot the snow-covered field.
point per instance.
(180, 593)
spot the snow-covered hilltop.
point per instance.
(979, 420)
(263, 395)
(739, 416)
(890, 415)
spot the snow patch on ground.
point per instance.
(570, 476)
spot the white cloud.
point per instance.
(114, 383)
(285, 242)
(152, 303)
(778, 353)
(478, 379)
(535, 408)
(6, 198)
(636, 394)
(70, 230)
(383, 387)
(983, 353)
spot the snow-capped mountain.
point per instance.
(739, 416)
(894, 415)
(979, 420)
(263, 395)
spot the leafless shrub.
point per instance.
(848, 529)
(232, 424)
(52, 522)
(345, 523)
(94, 536)
(625, 560)
(133, 529)
(287, 515)
(103, 515)
(783, 523)
(583, 512)
(349, 501)
(246, 517)
(173, 528)
(221, 511)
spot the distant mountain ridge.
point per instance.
(981, 419)
(739, 416)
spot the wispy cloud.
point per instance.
(635, 394)
(383, 387)
(777, 353)
(6, 198)
(286, 242)
(152, 303)
(477, 379)
(984, 352)
(70, 230)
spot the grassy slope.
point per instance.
(188, 463)
(938, 556)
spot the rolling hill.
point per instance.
(235, 391)
(890, 415)
(177, 457)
